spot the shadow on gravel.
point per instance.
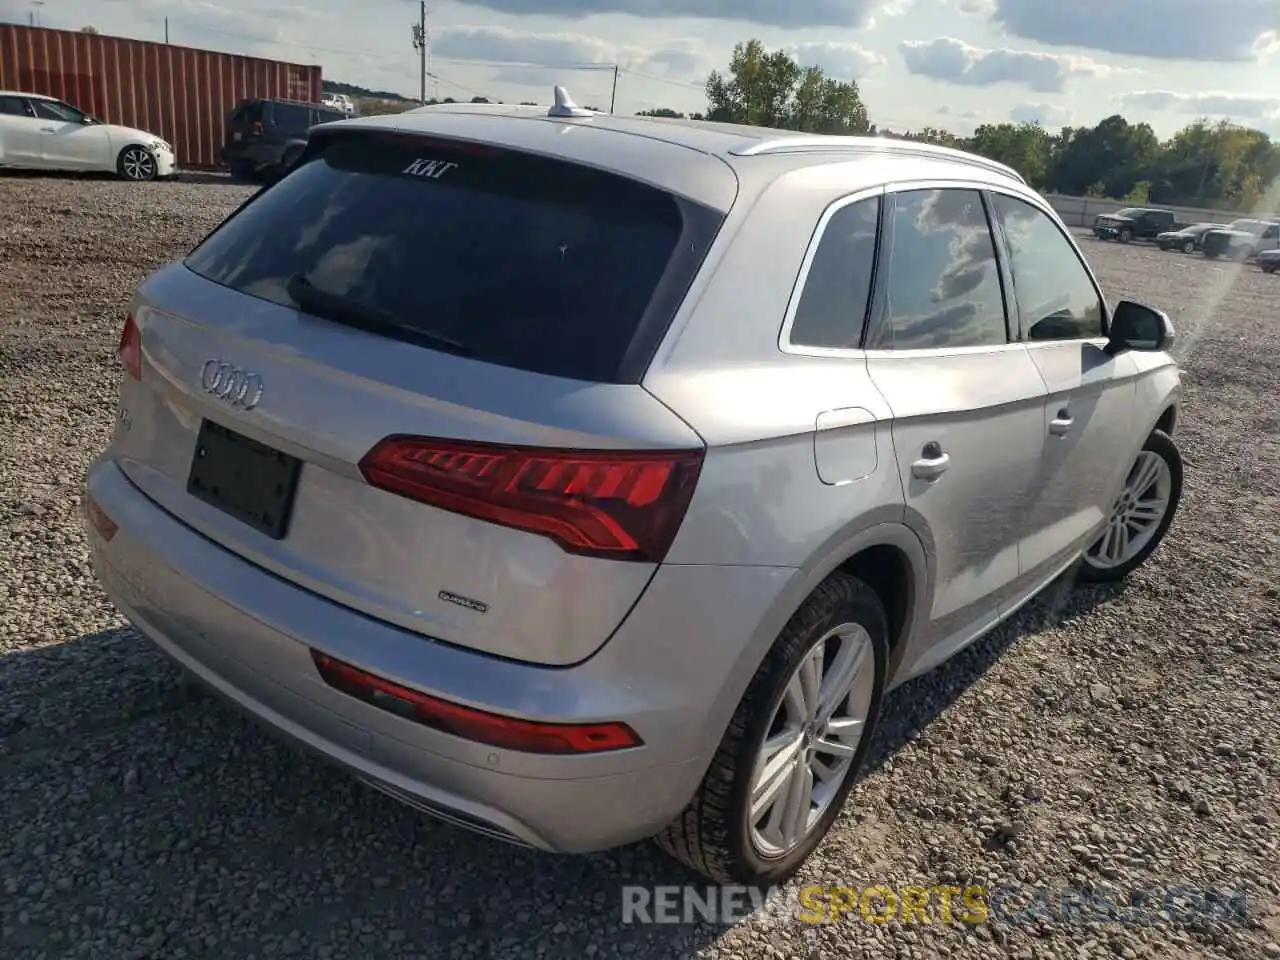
(910, 709)
(139, 817)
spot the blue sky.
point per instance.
(945, 63)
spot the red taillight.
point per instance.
(256, 129)
(130, 350)
(468, 723)
(600, 503)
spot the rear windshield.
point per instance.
(508, 258)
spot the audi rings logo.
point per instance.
(240, 388)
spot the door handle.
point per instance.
(932, 464)
(1061, 425)
(48, 130)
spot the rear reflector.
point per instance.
(599, 503)
(471, 724)
(105, 526)
(129, 353)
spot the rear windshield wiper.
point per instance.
(340, 309)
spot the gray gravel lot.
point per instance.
(1127, 738)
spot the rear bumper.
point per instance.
(248, 635)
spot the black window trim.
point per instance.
(879, 292)
(1006, 251)
(785, 343)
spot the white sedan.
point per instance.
(42, 133)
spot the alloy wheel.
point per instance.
(138, 164)
(1136, 515)
(812, 738)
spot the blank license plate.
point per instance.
(244, 478)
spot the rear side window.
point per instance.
(14, 107)
(290, 116)
(833, 305)
(942, 286)
(508, 258)
(325, 116)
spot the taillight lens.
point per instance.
(257, 127)
(600, 503)
(479, 726)
(130, 350)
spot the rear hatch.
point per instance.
(490, 311)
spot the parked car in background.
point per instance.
(1134, 223)
(1269, 260)
(44, 133)
(656, 456)
(264, 137)
(339, 101)
(1188, 239)
(1241, 239)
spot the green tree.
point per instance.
(772, 90)
(1024, 146)
(661, 112)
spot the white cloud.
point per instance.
(1206, 30)
(954, 61)
(789, 15)
(1048, 115)
(1238, 106)
(840, 61)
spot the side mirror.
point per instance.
(1138, 327)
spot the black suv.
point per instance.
(264, 137)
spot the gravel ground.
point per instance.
(1125, 738)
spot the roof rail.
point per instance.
(817, 143)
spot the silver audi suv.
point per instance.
(582, 478)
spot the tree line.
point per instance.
(1205, 164)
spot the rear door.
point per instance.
(967, 401)
(499, 308)
(1088, 424)
(19, 133)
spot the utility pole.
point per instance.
(166, 29)
(613, 97)
(420, 44)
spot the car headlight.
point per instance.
(161, 146)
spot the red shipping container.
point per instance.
(181, 94)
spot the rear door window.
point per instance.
(942, 285)
(512, 259)
(290, 117)
(326, 116)
(15, 107)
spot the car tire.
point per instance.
(1210, 254)
(137, 164)
(1126, 235)
(1188, 246)
(716, 834)
(1162, 454)
(240, 170)
(1266, 268)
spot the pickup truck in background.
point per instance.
(339, 101)
(1135, 223)
(1242, 239)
